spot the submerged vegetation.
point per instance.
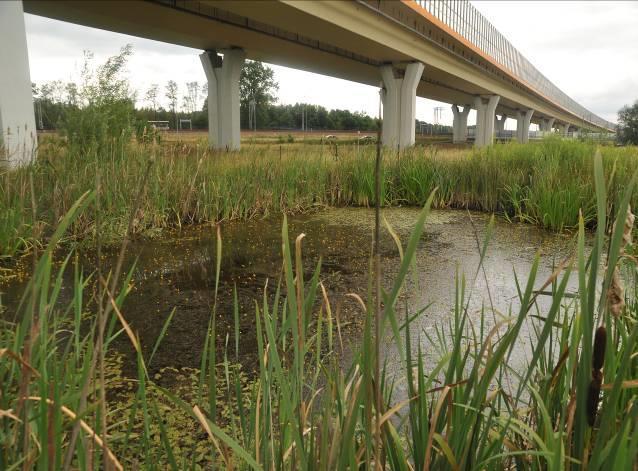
(547, 183)
(570, 405)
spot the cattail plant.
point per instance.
(616, 293)
(598, 360)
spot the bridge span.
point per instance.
(438, 49)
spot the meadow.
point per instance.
(545, 183)
(572, 406)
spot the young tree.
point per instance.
(628, 124)
(172, 95)
(191, 98)
(256, 83)
(152, 95)
(205, 96)
(104, 103)
(72, 94)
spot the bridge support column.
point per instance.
(499, 124)
(18, 139)
(547, 124)
(459, 125)
(485, 120)
(399, 105)
(223, 97)
(523, 119)
(562, 129)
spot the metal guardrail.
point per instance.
(468, 22)
(538, 135)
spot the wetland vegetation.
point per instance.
(546, 183)
(457, 395)
(310, 340)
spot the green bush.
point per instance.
(105, 111)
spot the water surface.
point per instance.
(177, 272)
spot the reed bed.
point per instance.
(571, 406)
(546, 184)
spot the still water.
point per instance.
(177, 272)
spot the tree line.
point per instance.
(103, 105)
(55, 101)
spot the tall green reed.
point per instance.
(545, 184)
(474, 407)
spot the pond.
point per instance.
(177, 272)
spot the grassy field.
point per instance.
(571, 406)
(545, 183)
(301, 137)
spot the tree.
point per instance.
(171, 96)
(191, 99)
(72, 94)
(101, 110)
(205, 96)
(256, 82)
(628, 124)
(152, 97)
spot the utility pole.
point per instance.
(303, 118)
(438, 112)
(252, 115)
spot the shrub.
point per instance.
(105, 110)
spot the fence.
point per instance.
(468, 22)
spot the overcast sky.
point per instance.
(588, 49)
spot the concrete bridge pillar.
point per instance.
(485, 109)
(523, 120)
(459, 125)
(399, 105)
(18, 139)
(223, 97)
(562, 128)
(547, 124)
(499, 124)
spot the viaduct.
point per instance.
(439, 49)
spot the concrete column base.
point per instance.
(459, 125)
(18, 138)
(223, 97)
(523, 120)
(485, 109)
(399, 105)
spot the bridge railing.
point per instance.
(468, 22)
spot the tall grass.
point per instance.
(545, 184)
(571, 405)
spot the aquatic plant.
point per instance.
(571, 404)
(547, 184)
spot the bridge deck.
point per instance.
(349, 40)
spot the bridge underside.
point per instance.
(348, 40)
